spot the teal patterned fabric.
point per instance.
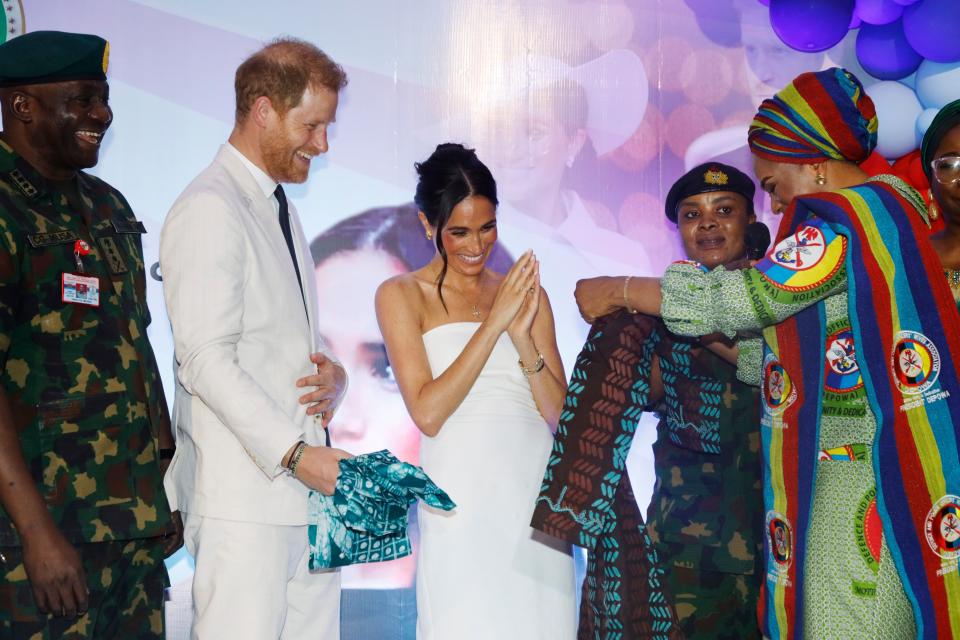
(586, 497)
(365, 520)
(699, 428)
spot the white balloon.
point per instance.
(938, 83)
(897, 112)
(924, 120)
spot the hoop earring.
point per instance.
(821, 179)
(932, 210)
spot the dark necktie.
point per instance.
(288, 236)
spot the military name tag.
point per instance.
(79, 289)
(128, 226)
(54, 237)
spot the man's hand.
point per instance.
(174, 541)
(329, 383)
(597, 297)
(319, 468)
(55, 572)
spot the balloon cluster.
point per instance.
(911, 46)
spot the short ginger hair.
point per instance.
(282, 71)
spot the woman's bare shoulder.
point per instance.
(406, 291)
(399, 282)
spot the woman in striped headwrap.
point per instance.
(858, 371)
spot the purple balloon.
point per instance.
(932, 28)
(906, 3)
(765, 3)
(878, 11)
(811, 25)
(883, 51)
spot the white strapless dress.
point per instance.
(483, 573)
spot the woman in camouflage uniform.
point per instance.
(706, 511)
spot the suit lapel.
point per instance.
(305, 262)
(261, 210)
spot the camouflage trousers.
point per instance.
(126, 579)
(714, 605)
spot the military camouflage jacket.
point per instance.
(706, 511)
(82, 380)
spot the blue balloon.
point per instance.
(937, 83)
(932, 28)
(906, 3)
(884, 52)
(811, 25)
(878, 11)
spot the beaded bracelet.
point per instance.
(295, 458)
(536, 368)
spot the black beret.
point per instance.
(40, 57)
(712, 176)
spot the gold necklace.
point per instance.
(476, 313)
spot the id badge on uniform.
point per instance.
(80, 289)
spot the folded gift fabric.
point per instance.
(365, 520)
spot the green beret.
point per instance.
(40, 57)
(712, 176)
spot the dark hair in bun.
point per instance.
(450, 175)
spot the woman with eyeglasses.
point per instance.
(940, 152)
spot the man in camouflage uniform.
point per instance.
(700, 550)
(84, 429)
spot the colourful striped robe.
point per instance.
(907, 334)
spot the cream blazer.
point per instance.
(241, 340)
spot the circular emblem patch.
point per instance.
(916, 362)
(780, 538)
(806, 259)
(942, 527)
(842, 372)
(803, 250)
(778, 390)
